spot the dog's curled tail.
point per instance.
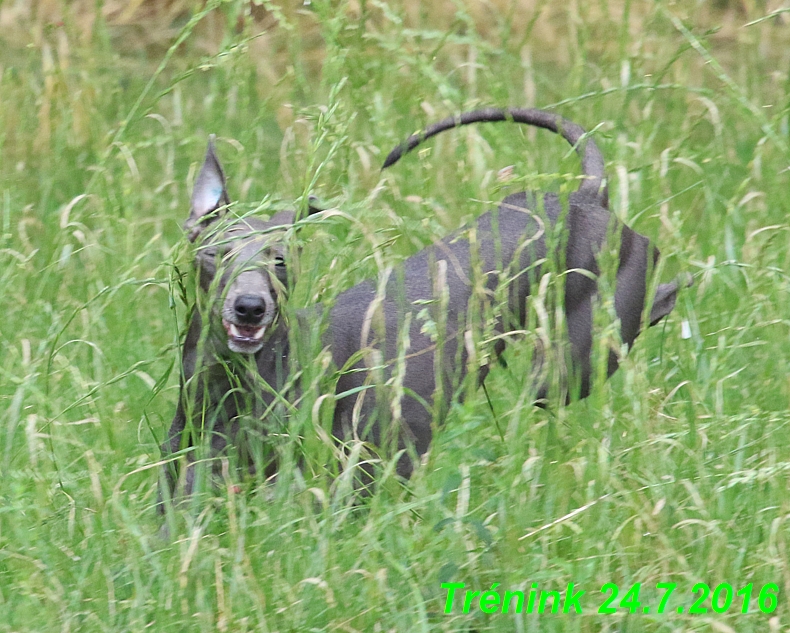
(594, 183)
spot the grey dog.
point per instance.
(402, 347)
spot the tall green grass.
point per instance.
(675, 470)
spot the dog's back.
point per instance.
(460, 275)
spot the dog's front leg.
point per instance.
(169, 475)
(206, 419)
(203, 406)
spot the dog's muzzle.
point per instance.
(247, 325)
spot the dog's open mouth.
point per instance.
(244, 337)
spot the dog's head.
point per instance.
(241, 261)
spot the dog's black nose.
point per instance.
(249, 308)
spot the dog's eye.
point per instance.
(279, 262)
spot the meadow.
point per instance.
(676, 470)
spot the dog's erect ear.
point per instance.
(286, 218)
(314, 205)
(664, 301)
(666, 294)
(209, 194)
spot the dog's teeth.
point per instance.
(234, 331)
(259, 334)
